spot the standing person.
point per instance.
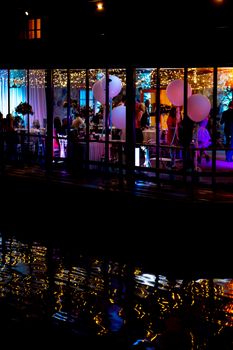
(1, 121)
(172, 138)
(203, 140)
(145, 120)
(56, 132)
(139, 96)
(171, 127)
(186, 127)
(227, 120)
(10, 137)
(140, 109)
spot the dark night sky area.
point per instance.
(177, 31)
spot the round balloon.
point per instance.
(175, 92)
(98, 91)
(115, 85)
(119, 117)
(198, 107)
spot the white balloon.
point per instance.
(175, 92)
(198, 107)
(115, 85)
(119, 117)
(99, 88)
(98, 91)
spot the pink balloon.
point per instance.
(198, 107)
(175, 92)
(98, 91)
(119, 117)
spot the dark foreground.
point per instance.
(84, 264)
(175, 231)
(52, 298)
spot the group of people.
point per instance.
(203, 133)
(183, 132)
(227, 120)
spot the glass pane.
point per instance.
(18, 94)
(98, 102)
(97, 116)
(145, 117)
(4, 92)
(117, 115)
(60, 113)
(224, 120)
(38, 23)
(171, 117)
(31, 24)
(200, 115)
(31, 35)
(78, 105)
(37, 99)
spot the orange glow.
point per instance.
(38, 23)
(31, 24)
(219, 2)
(100, 6)
(229, 83)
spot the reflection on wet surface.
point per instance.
(93, 297)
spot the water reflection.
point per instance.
(103, 298)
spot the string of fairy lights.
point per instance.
(198, 78)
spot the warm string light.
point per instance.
(37, 78)
(195, 76)
(60, 78)
(167, 75)
(199, 78)
(78, 77)
(145, 78)
(18, 78)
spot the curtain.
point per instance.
(37, 100)
(18, 93)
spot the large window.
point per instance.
(178, 135)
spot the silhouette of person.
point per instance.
(185, 138)
(172, 138)
(1, 121)
(57, 125)
(227, 120)
(140, 109)
(204, 140)
(145, 120)
(56, 131)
